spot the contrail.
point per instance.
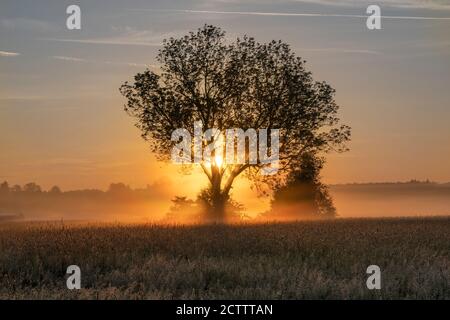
(285, 14)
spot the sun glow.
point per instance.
(218, 160)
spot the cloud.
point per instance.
(111, 41)
(406, 4)
(129, 37)
(9, 54)
(291, 14)
(69, 59)
(342, 50)
(130, 64)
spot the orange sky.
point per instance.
(62, 120)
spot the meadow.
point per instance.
(298, 260)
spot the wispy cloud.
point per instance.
(75, 59)
(407, 4)
(129, 64)
(129, 36)
(69, 59)
(342, 50)
(106, 42)
(9, 54)
(292, 14)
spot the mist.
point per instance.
(413, 198)
(155, 203)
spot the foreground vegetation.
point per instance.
(301, 260)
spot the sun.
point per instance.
(218, 160)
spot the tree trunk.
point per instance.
(218, 208)
(218, 201)
(220, 196)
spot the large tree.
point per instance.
(240, 84)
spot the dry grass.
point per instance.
(303, 260)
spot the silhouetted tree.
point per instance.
(234, 209)
(55, 190)
(187, 210)
(243, 84)
(303, 194)
(119, 188)
(183, 210)
(32, 188)
(4, 187)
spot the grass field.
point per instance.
(302, 260)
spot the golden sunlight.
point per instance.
(218, 159)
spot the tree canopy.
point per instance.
(240, 84)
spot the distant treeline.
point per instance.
(119, 202)
(412, 182)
